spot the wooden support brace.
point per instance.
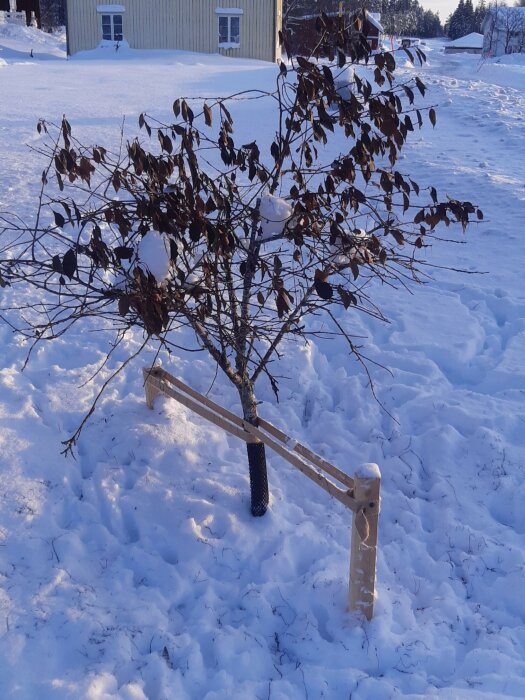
(158, 381)
(364, 540)
(308, 454)
(360, 493)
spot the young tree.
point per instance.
(239, 244)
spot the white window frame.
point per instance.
(112, 11)
(229, 13)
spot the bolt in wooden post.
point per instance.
(367, 485)
(151, 391)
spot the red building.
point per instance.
(304, 37)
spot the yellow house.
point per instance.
(237, 28)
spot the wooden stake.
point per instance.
(364, 540)
(151, 391)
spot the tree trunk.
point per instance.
(256, 455)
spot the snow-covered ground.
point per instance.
(136, 570)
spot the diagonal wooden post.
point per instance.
(367, 486)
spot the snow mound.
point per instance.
(513, 59)
(22, 33)
(17, 41)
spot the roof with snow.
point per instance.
(469, 41)
(373, 18)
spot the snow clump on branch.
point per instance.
(154, 255)
(274, 212)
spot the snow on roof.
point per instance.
(111, 8)
(116, 9)
(229, 11)
(373, 18)
(470, 41)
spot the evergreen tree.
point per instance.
(408, 17)
(468, 18)
(479, 15)
(456, 23)
(465, 19)
(430, 25)
(53, 14)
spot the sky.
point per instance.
(443, 7)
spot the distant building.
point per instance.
(373, 29)
(304, 35)
(408, 42)
(503, 31)
(237, 28)
(471, 43)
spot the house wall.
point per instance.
(503, 34)
(499, 42)
(188, 25)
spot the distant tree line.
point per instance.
(407, 17)
(398, 17)
(466, 19)
(53, 14)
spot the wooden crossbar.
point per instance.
(359, 494)
(274, 438)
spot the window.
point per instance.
(111, 18)
(112, 27)
(229, 27)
